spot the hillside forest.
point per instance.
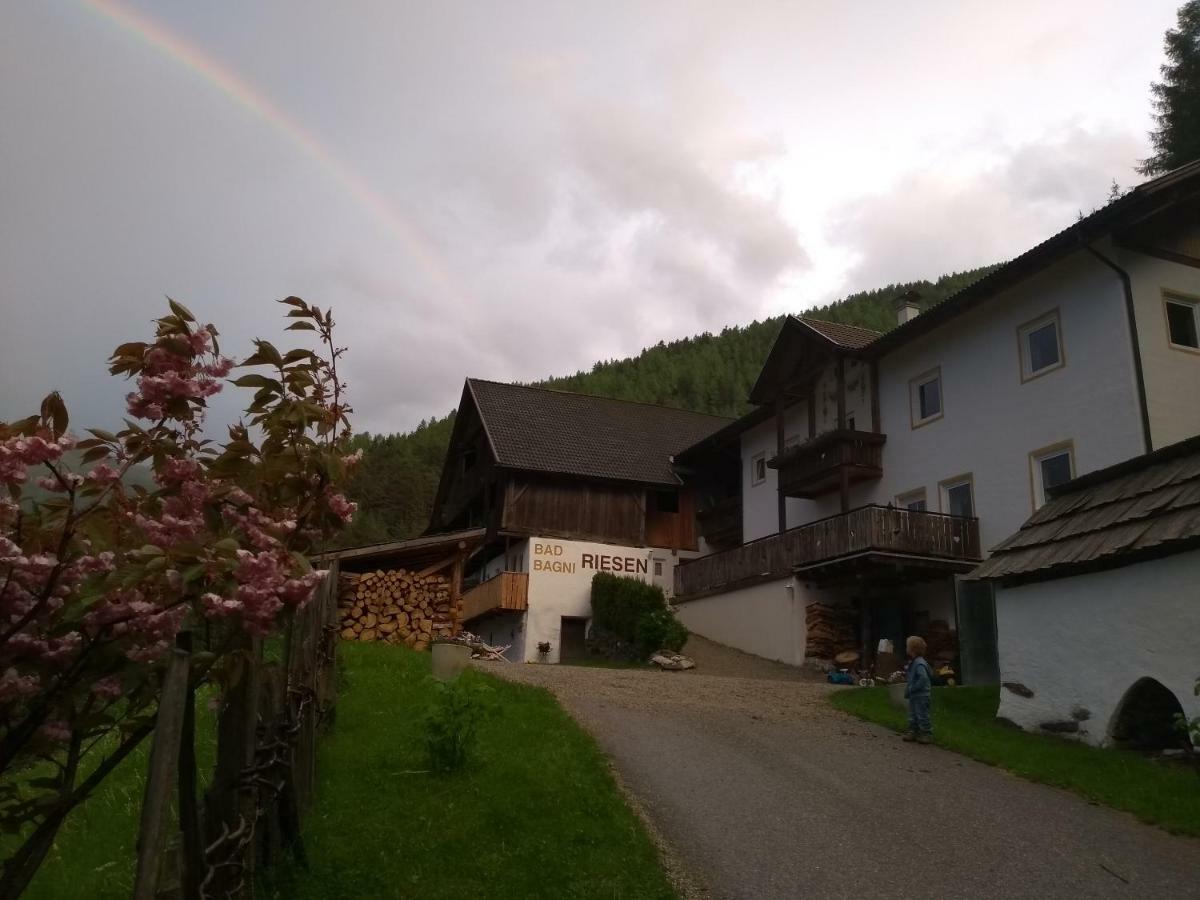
(395, 484)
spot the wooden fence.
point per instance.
(277, 698)
(869, 528)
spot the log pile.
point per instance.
(396, 606)
(831, 630)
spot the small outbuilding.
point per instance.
(1098, 604)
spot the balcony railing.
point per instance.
(815, 467)
(864, 532)
(721, 522)
(508, 590)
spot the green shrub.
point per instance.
(659, 630)
(636, 612)
(452, 726)
(618, 603)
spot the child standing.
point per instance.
(918, 692)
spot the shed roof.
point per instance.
(1139, 509)
(412, 553)
(541, 430)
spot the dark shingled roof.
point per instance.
(1142, 508)
(541, 430)
(849, 336)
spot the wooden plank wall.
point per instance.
(675, 530)
(577, 510)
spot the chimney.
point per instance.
(908, 307)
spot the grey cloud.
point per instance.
(930, 223)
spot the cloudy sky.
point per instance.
(514, 190)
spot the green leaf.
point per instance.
(180, 310)
(294, 301)
(54, 411)
(257, 381)
(301, 326)
(102, 434)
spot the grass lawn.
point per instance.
(1163, 794)
(93, 855)
(537, 815)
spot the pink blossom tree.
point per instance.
(97, 577)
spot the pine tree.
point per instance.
(1177, 97)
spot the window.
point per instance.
(1040, 346)
(469, 459)
(958, 496)
(1181, 322)
(926, 397)
(850, 423)
(758, 469)
(658, 570)
(1050, 467)
(913, 501)
(666, 501)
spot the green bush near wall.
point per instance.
(635, 612)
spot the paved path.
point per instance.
(765, 792)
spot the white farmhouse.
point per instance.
(1097, 604)
(877, 469)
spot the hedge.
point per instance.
(635, 612)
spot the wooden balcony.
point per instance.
(721, 523)
(508, 590)
(870, 540)
(816, 467)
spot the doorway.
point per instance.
(572, 640)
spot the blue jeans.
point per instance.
(918, 714)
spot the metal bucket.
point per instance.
(449, 660)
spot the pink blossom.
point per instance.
(353, 459)
(13, 685)
(56, 730)
(108, 688)
(220, 367)
(175, 470)
(340, 506)
(103, 474)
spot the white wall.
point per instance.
(560, 582)
(1084, 641)
(767, 620)
(992, 420)
(1172, 376)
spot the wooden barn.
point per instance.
(562, 486)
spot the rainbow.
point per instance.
(244, 95)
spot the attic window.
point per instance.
(666, 501)
(758, 469)
(1040, 346)
(469, 459)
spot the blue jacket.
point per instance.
(920, 678)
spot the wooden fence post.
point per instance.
(156, 805)
(232, 804)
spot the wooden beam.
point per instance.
(441, 564)
(780, 440)
(841, 393)
(812, 412)
(875, 426)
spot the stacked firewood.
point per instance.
(397, 606)
(831, 630)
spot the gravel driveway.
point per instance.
(763, 791)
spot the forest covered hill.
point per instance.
(396, 481)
